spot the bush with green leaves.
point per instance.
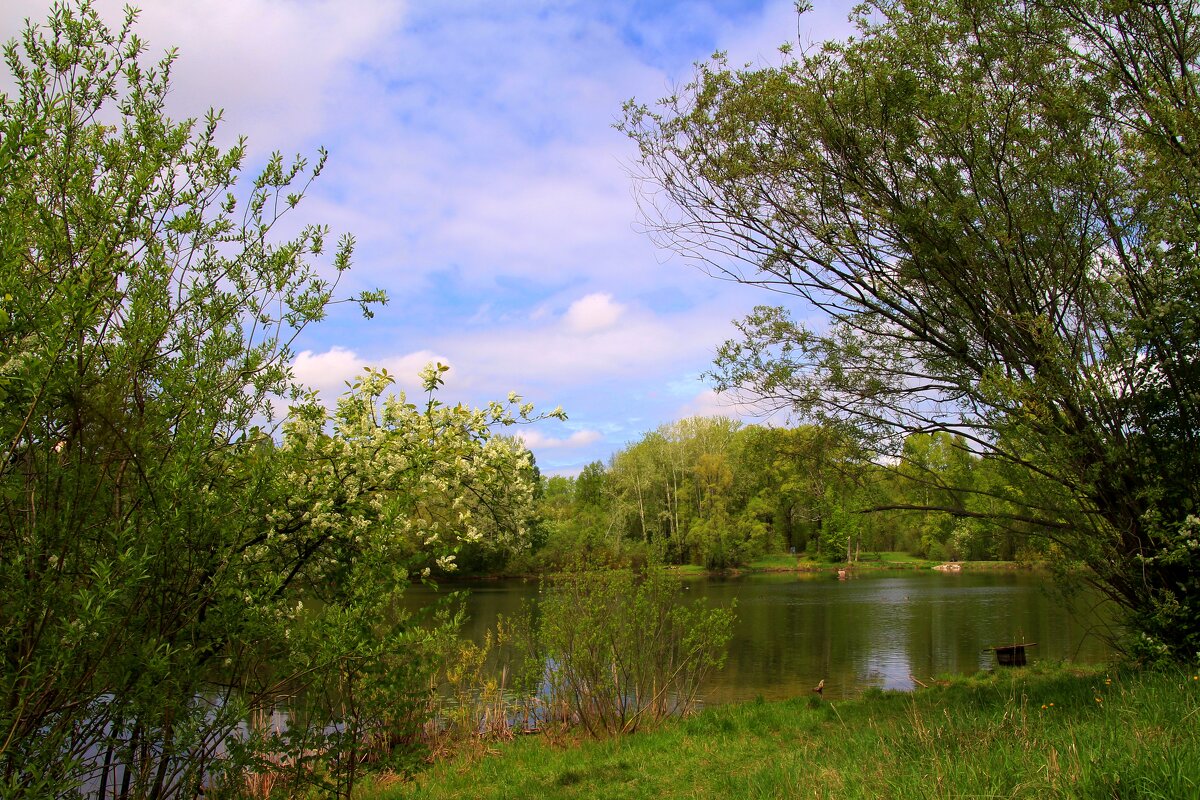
(625, 648)
(992, 210)
(169, 566)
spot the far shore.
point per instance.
(865, 564)
(785, 563)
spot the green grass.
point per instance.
(894, 559)
(687, 570)
(774, 561)
(884, 560)
(1037, 733)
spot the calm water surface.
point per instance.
(879, 629)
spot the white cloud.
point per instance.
(278, 69)
(334, 367)
(537, 439)
(489, 204)
(473, 139)
(545, 359)
(592, 313)
(758, 43)
(709, 403)
(329, 372)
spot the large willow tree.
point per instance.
(167, 567)
(995, 205)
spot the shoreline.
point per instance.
(801, 566)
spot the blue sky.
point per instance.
(474, 159)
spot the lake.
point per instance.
(886, 629)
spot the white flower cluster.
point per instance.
(384, 480)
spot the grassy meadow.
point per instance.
(1041, 732)
(785, 562)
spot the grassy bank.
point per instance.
(783, 562)
(1037, 733)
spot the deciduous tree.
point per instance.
(995, 205)
(157, 545)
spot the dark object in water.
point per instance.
(1011, 655)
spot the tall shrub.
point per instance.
(161, 555)
(625, 648)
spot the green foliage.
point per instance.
(487, 691)
(146, 324)
(625, 649)
(590, 485)
(1168, 617)
(170, 569)
(1020, 734)
(709, 492)
(995, 208)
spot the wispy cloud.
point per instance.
(331, 371)
(474, 158)
(709, 403)
(537, 439)
(276, 68)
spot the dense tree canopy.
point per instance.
(716, 493)
(996, 206)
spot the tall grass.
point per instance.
(1038, 733)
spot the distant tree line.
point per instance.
(713, 492)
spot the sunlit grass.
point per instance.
(774, 561)
(896, 558)
(686, 570)
(1040, 733)
(791, 561)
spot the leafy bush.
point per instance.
(624, 647)
(169, 566)
(1166, 627)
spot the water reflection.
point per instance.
(875, 630)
